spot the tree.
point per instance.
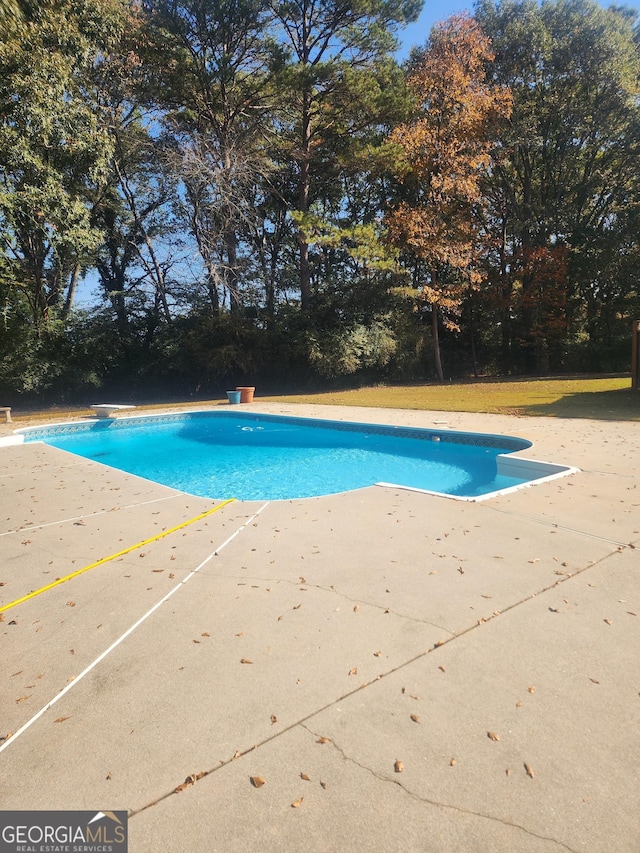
(566, 185)
(213, 84)
(337, 52)
(54, 147)
(447, 150)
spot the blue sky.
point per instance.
(415, 35)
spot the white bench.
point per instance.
(7, 413)
(108, 410)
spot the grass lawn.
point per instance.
(610, 398)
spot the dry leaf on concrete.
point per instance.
(398, 766)
(493, 736)
(529, 770)
(297, 803)
(257, 781)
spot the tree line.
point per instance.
(258, 190)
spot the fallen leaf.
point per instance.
(508, 772)
(518, 704)
(608, 621)
(532, 689)
(297, 803)
(377, 654)
(529, 770)
(595, 680)
(324, 740)
(239, 634)
(157, 571)
(274, 719)
(108, 776)
(441, 668)
(323, 785)
(245, 660)
(493, 736)
(280, 618)
(415, 718)
(22, 698)
(297, 607)
(257, 781)
(61, 719)
(453, 762)
(71, 604)
(535, 560)
(205, 634)
(353, 671)
(305, 777)
(398, 766)
(356, 608)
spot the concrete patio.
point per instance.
(378, 670)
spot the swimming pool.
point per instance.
(221, 454)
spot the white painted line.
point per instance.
(124, 636)
(29, 527)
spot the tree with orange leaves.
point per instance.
(445, 151)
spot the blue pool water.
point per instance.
(263, 457)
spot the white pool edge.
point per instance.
(510, 466)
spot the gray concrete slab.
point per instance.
(233, 646)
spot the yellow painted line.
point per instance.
(114, 556)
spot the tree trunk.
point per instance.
(472, 325)
(303, 203)
(436, 342)
(71, 292)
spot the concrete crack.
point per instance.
(345, 597)
(438, 803)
